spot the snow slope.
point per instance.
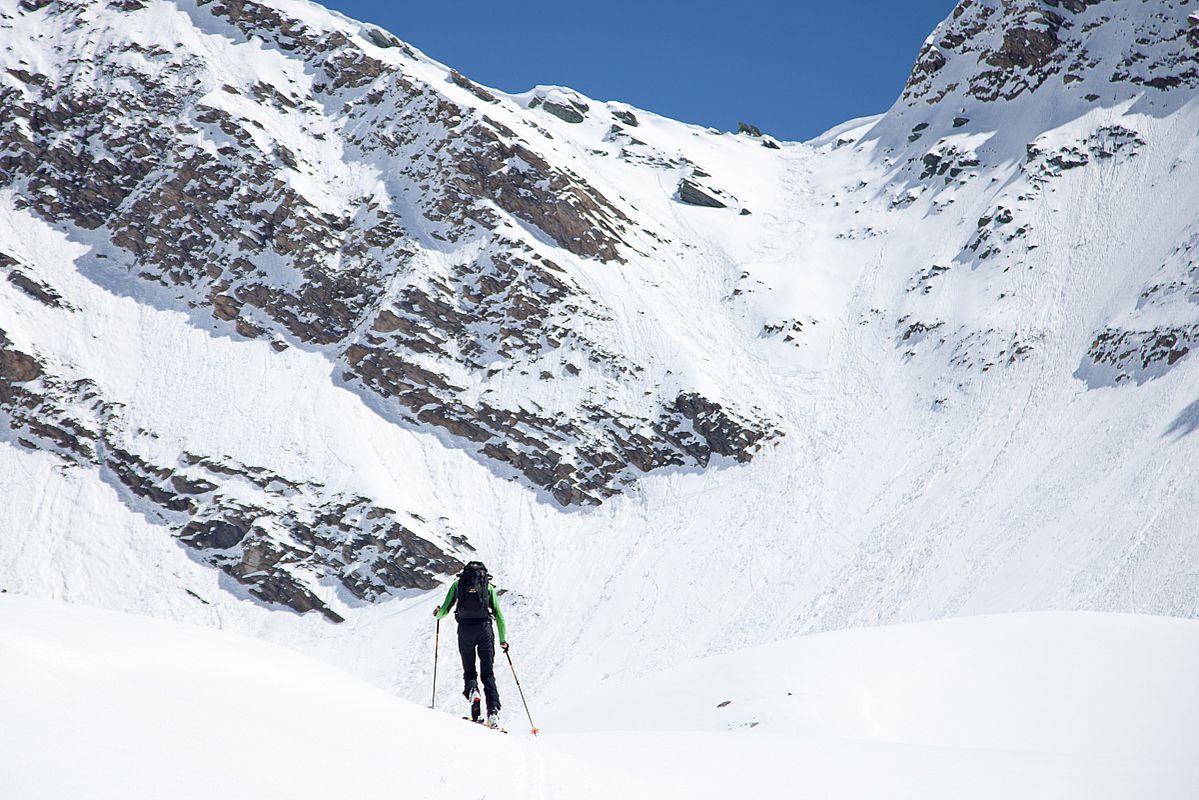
(104, 705)
(956, 327)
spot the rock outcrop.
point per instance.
(423, 236)
(177, 173)
(279, 538)
(1000, 51)
(693, 194)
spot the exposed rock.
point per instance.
(574, 215)
(296, 536)
(381, 38)
(563, 112)
(789, 329)
(1073, 6)
(35, 289)
(1137, 346)
(191, 203)
(949, 161)
(213, 534)
(1136, 356)
(15, 366)
(185, 485)
(1012, 48)
(917, 330)
(722, 434)
(924, 280)
(478, 91)
(1107, 142)
(982, 350)
(929, 61)
(693, 194)
(565, 104)
(751, 130)
(626, 117)
(210, 222)
(1030, 48)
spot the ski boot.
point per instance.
(476, 711)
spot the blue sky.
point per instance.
(792, 68)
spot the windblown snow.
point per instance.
(295, 320)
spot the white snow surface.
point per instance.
(919, 478)
(105, 705)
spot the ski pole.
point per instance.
(436, 648)
(522, 693)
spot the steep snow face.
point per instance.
(111, 706)
(1031, 221)
(332, 315)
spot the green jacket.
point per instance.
(452, 595)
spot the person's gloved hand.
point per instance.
(505, 646)
(435, 610)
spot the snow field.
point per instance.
(105, 705)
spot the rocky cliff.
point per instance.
(315, 183)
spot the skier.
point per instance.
(477, 603)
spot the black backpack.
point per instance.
(474, 596)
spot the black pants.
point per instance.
(474, 636)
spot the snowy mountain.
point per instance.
(283, 176)
(296, 319)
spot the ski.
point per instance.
(483, 722)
